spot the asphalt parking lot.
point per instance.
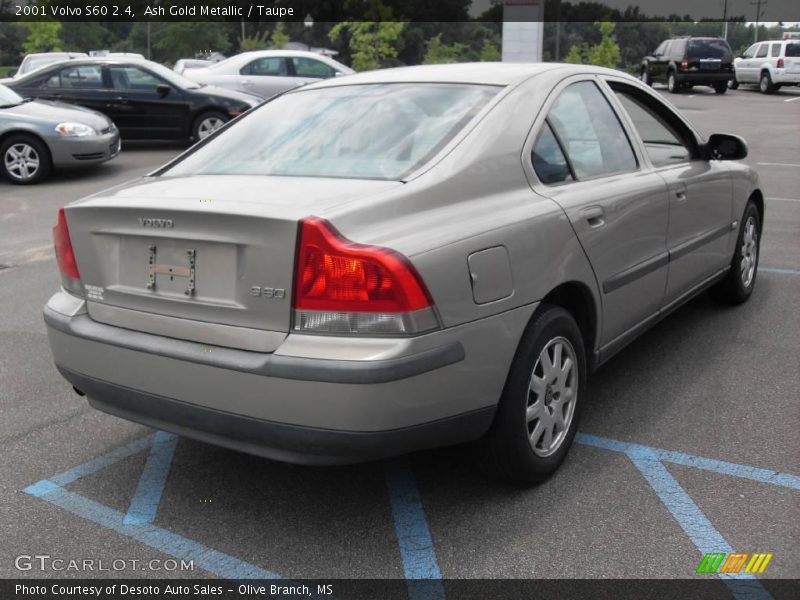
(688, 440)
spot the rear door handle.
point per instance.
(594, 216)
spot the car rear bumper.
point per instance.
(703, 78)
(73, 152)
(376, 398)
(783, 77)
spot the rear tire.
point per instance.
(538, 412)
(24, 159)
(672, 83)
(733, 84)
(646, 77)
(765, 83)
(721, 88)
(738, 284)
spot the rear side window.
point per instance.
(548, 159)
(762, 50)
(590, 132)
(308, 67)
(77, 78)
(677, 49)
(793, 50)
(708, 49)
(775, 50)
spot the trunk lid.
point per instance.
(204, 258)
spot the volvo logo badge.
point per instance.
(156, 223)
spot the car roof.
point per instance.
(487, 73)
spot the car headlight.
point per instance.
(75, 130)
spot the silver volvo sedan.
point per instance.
(399, 260)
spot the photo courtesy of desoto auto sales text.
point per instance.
(400, 299)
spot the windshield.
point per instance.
(708, 49)
(9, 97)
(377, 131)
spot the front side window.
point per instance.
(663, 145)
(590, 132)
(308, 67)
(548, 160)
(266, 66)
(751, 51)
(89, 77)
(377, 131)
(762, 50)
(660, 50)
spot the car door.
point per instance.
(585, 162)
(266, 76)
(661, 58)
(700, 191)
(743, 66)
(144, 105)
(80, 84)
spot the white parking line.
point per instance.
(792, 99)
(769, 164)
(783, 199)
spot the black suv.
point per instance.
(688, 61)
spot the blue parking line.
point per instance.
(220, 564)
(147, 497)
(693, 521)
(784, 271)
(688, 460)
(413, 534)
(101, 462)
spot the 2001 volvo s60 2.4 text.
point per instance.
(399, 260)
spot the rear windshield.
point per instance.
(708, 49)
(376, 131)
(793, 49)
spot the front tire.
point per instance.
(538, 412)
(24, 159)
(207, 123)
(738, 284)
(733, 84)
(646, 77)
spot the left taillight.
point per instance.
(342, 287)
(65, 256)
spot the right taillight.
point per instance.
(342, 287)
(65, 257)
(780, 63)
(685, 65)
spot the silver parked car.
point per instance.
(268, 72)
(401, 259)
(37, 136)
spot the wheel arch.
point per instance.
(758, 199)
(576, 298)
(21, 131)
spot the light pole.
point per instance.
(308, 23)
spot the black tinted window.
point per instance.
(548, 159)
(708, 49)
(593, 138)
(793, 49)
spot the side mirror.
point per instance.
(724, 146)
(163, 89)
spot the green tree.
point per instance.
(42, 36)
(490, 51)
(279, 37)
(255, 42)
(371, 44)
(439, 53)
(171, 41)
(576, 54)
(606, 53)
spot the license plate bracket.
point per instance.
(188, 271)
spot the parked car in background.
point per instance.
(145, 99)
(190, 63)
(769, 64)
(688, 61)
(268, 72)
(109, 54)
(36, 137)
(31, 62)
(402, 259)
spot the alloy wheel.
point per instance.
(552, 396)
(749, 252)
(21, 161)
(208, 126)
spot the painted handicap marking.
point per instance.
(706, 538)
(147, 497)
